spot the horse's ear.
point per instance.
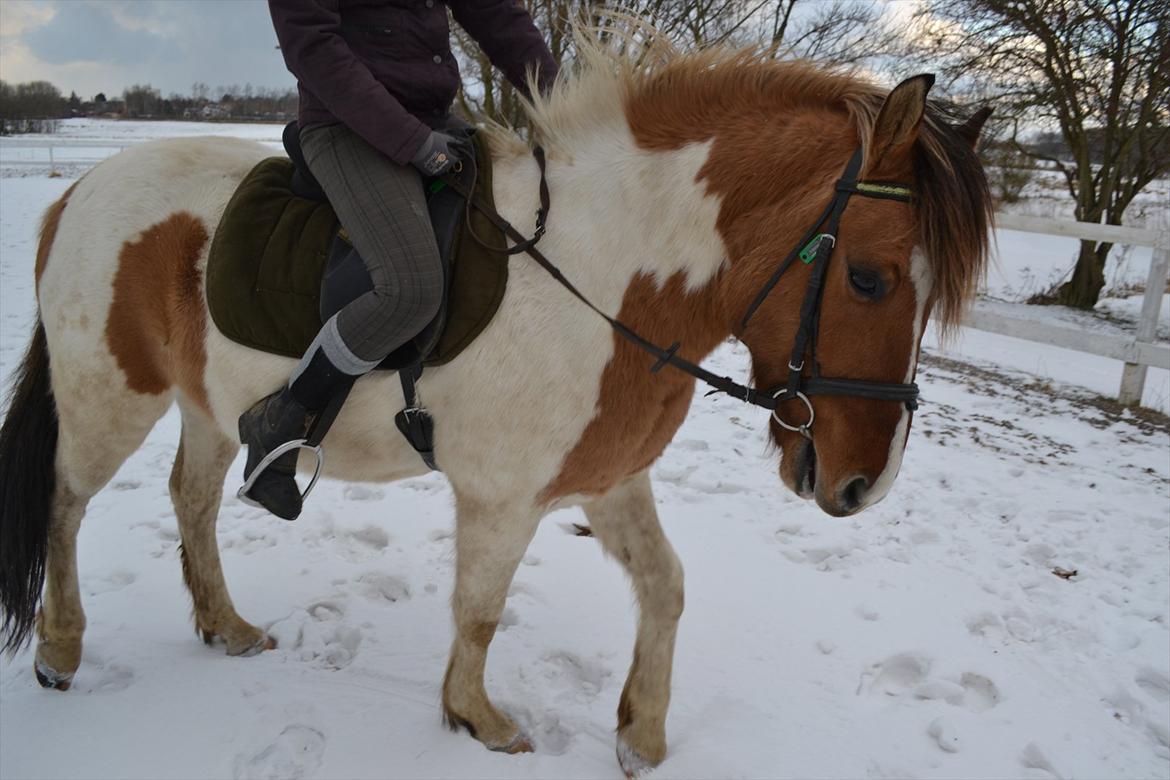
(900, 119)
(969, 130)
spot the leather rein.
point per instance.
(815, 249)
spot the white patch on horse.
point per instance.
(923, 283)
(617, 211)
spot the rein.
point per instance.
(815, 248)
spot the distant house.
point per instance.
(215, 111)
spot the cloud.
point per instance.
(89, 32)
(106, 45)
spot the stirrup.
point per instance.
(270, 458)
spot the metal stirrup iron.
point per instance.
(270, 458)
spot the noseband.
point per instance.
(815, 249)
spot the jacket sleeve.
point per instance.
(309, 32)
(507, 34)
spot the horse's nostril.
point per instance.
(854, 492)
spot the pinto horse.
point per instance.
(676, 191)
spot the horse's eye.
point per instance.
(867, 283)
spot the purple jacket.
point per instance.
(385, 67)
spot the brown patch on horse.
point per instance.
(157, 325)
(48, 233)
(751, 105)
(637, 411)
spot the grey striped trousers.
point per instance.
(383, 208)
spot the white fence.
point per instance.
(1138, 351)
(39, 153)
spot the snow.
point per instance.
(926, 637)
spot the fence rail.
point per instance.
(53, 160)
(1139, 351)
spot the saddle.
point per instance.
(280, 264)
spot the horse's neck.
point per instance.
(633, 229)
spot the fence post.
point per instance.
(52, 165)
(1133, 376)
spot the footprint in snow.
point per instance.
(318, 635)
(1032, 757)
(115, 580)
(908, 675)
(383, 587)
(582, 679)
(1153, 683)
(979, 693)
(371, 536)
(1135, 713)
(508, 618)
(248, 540)
(99, 675)
(296, 753)
(363, 493)
(896, 675)
(547, 733)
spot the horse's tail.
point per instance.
(28, 452)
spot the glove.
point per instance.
(440, 153)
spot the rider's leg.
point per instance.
(383, 208)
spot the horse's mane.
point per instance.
(952, 197)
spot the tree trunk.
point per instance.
(1088, 278)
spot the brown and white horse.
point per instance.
(676, 190)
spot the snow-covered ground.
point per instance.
(927, 637)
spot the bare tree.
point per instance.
(1098, 71)
(142, 100)
(33, 107)
(837, 31)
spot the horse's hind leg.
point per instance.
(196, 489)
(95, 439)
(61, 621)
(489, 543)
(626, 523)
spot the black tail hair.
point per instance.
(28, 477)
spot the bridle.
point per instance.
(815, 249)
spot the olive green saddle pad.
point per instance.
(272, 248)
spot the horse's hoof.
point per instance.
(49, 678)
(257, 646)
(519, 744)
(632, 762)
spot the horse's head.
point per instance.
(893, 262)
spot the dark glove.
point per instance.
(440, 153)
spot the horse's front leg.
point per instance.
(490, 540)
(626, 523)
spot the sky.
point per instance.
(91, 46)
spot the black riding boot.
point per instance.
(282, 417)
